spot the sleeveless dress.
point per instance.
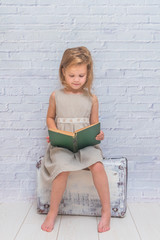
(72, 113)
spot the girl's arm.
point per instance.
(94, 118)
(51, 114)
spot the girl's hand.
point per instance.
(100, 136)
(48, 139)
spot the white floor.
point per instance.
(20, 221)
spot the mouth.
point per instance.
(76, 84)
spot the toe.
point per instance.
(49, 229)
(42, 227)
(100, 229)
(103, 229)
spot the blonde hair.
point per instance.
(77, 56)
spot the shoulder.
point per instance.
(55, 93)
(94, 99)
(52, 96)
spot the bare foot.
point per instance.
(48, 224)
(104, 224)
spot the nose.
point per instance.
(76, 79)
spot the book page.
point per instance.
(81, 129)
(62, 132)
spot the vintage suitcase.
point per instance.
(81, 198)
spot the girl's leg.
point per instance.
(101, 183)
(58, 188)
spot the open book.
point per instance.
(74, 141)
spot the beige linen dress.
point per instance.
(72, 113)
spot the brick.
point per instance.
(152, 90)
(146, 99)
(24, 107)
(8, 10)
(15, 65)
(10, 99)
(3, 107)
(107, 9)
(154, 2)
(126, 19)
(143, 10)
(18, 2)
(36, 10)
(125, 2)
(1, 91)
(132, 107)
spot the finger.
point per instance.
(99, 138)
(48, 140)
(102, 134)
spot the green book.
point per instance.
(81, 138)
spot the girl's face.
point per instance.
(75, 76)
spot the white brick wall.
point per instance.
(123, 37)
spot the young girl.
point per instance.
(72, 108)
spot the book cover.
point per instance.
(74, 141)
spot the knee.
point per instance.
(62, 175)
(97, 167)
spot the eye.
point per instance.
(71, 76)
(81, 76)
